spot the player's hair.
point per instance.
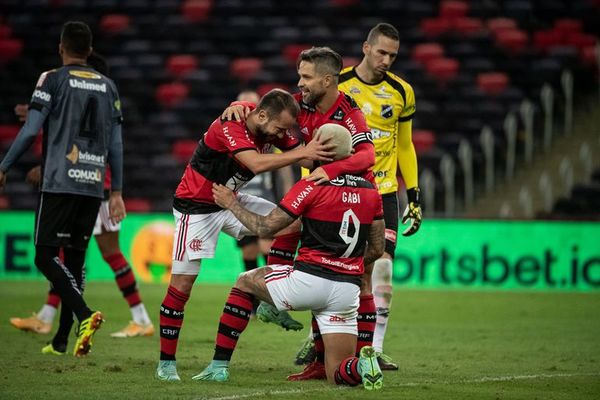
(326, 61)
(98, 62)
(76, 38)
(384, 29)
(276, 101)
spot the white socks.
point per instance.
(47, 313)
(382, 294)
(140, 315)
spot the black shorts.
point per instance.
(246, 240)
(65, 220)
(390, 216)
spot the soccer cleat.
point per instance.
(85, 333)
(49, 349)
(134, 329)
(216, 373)
(31, 324)
(386, 363)
(369, 370)
(268, 313)
(307, 353)
(313, 371)
(167, 371)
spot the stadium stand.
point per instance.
(179, 64)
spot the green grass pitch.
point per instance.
(450, 345)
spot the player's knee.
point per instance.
(366, 286)
(243, 281)
(183, 283)
(382, 271)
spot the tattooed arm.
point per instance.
(263, 226)
(376, 242)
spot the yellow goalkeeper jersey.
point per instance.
(386, 105)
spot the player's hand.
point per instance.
(318, 176)
(412, 213)
(2, 180)
(21, 111)
(317, 150)
(237, 112)
(116, 207)
(34, 176)
(224, 197)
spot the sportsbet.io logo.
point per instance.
(151, 251)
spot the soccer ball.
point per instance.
(338, 135)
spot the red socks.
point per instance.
(125, 278)
(367, 317)
(171, 319)
(347, 372)
(53, 299)
(234, 320)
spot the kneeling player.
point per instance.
(338, 219)
(229, 153)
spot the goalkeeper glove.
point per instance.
(412, 212)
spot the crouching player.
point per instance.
(342, 230)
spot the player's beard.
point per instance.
(314, 97)
(262, 135)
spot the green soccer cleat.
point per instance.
(306, 354)
(85, 332)
(268, 313)
(167, 371)
(214, 372)
(368, 367)
(49, 349)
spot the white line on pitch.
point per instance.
(483, 379)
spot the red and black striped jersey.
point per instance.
(336, 219)
(213, 162)
(344, 112)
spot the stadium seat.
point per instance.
(568, 25)
(513, 41)
(450, 9)
(171, 94)
(350, 61)
(8, 133)
(266, 87)
(245, 69)
(114, 23)
(581, 40)
(492, 82)
(10, 49)
(292, 51)
(137, 205)
(183, 149)
(443, 69)
(545, 39)
(196, 10)
(496, 25)
(423, 140)
(344, 3)
(427, 52)
(588, 56)
(467, 26)
(181, 65)
(433, 27)
(5, 32)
